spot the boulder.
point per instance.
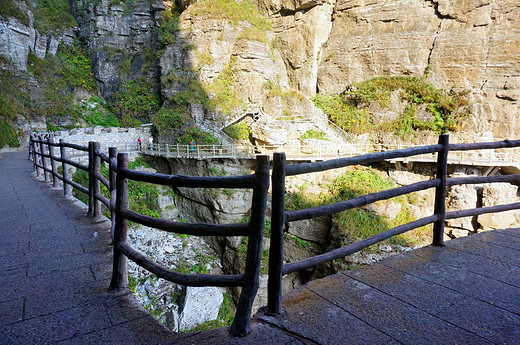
(499, 194)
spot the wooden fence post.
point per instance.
(120, 264)
(274, 284)
(37, 157)
(112, 154)
(32, 144)
(67, 188)
(93, 182)
(97, 184)
(440, 191)
(240, 325)
(44, 151)
(55, 180)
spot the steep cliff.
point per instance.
(463, 45)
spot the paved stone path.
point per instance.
(55, 265)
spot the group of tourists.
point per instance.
(150, 141)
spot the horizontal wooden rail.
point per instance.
(74, 164)
(482, 179)
(482, 210)
(239, 182)
(485, 146)
(179, 278)
(195, 229)
(363, 200)
(306, 168)
(356, 247)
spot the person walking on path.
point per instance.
(192, 146)
(150, 140)
(139, 143)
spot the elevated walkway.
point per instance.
(56, 267)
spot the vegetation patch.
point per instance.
(350, 111)
(51, 15)
(12, 104)
(233, 11)
(314, 134)
(359, 223)
(135, 100)
(223, 95)
(8, 8)
(239, 131)
(96, 113)
(142, 196)
(166, 31)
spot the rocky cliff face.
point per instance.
(463, 45)
(118, 35)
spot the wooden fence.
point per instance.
(42, 151)
(44, 159)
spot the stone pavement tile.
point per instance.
(123, 308)
(329, 287)
(500, 239)
(58, 326)
(11, 273)
(494, 324)
(309, 316)
(513, 277)
(58, 300)
(470, 262)
(512, 232)
(431, 298)
(10, 222)
(69, 262)
(260, 334)
(490, 251)
(11, 311)
(56, 247)
(14, 248)
(470, 284)
(96, 243)
(142, 331)
(404, 322)
(47, 283)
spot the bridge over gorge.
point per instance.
(55, 273)
(492, 160)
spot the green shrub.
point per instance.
(314, 134)
(233, 11)
(136, 101)
(238, 131)
(8, 8)
(168, 27)
(350, 112)
(51, 15)
(358, 223)
(167, 119)
(224, 97)
(199, 136)
(96, 113)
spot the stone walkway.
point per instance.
(56, 266)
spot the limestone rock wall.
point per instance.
(465, 45)
(117, 31)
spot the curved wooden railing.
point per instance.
(44, 159)
(277, 268)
